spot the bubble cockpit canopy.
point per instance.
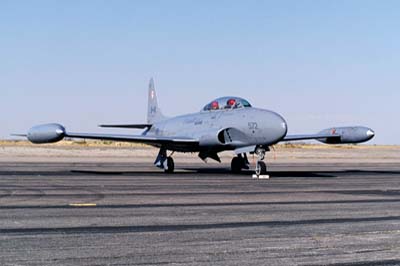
(227, 103)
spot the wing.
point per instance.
(137, 126)
(51, 133)
(153, 140)
(331, 137)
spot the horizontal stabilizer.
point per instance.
(19, 135)
(136, 126)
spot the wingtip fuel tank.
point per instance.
(47, 133)
(346, 135)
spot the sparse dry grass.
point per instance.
(293, 145)
(111, 144)
(317, 146)
(74, 143)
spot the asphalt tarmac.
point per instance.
(133, 214)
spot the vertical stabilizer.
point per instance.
(153, 112)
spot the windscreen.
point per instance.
(227, 103)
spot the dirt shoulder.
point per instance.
(96, 151)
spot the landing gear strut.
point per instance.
(165, 162)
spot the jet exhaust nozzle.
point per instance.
(347, 135)
(48, 133)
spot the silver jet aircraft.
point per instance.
(227, 123)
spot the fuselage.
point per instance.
(224, 129)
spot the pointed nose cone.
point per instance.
(370, 133)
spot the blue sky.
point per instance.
(318, 63)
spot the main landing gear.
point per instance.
(241, 162)
(165, 162)
(170, 165)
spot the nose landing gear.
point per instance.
(241, 162)
(261, 167)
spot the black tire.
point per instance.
(170, 165)
(263, 168)
(237, 165)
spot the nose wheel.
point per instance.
(261, 166)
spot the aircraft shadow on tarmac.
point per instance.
(210, 171)
(205, 172)
(226, 171)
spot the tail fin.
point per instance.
(153, 111)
